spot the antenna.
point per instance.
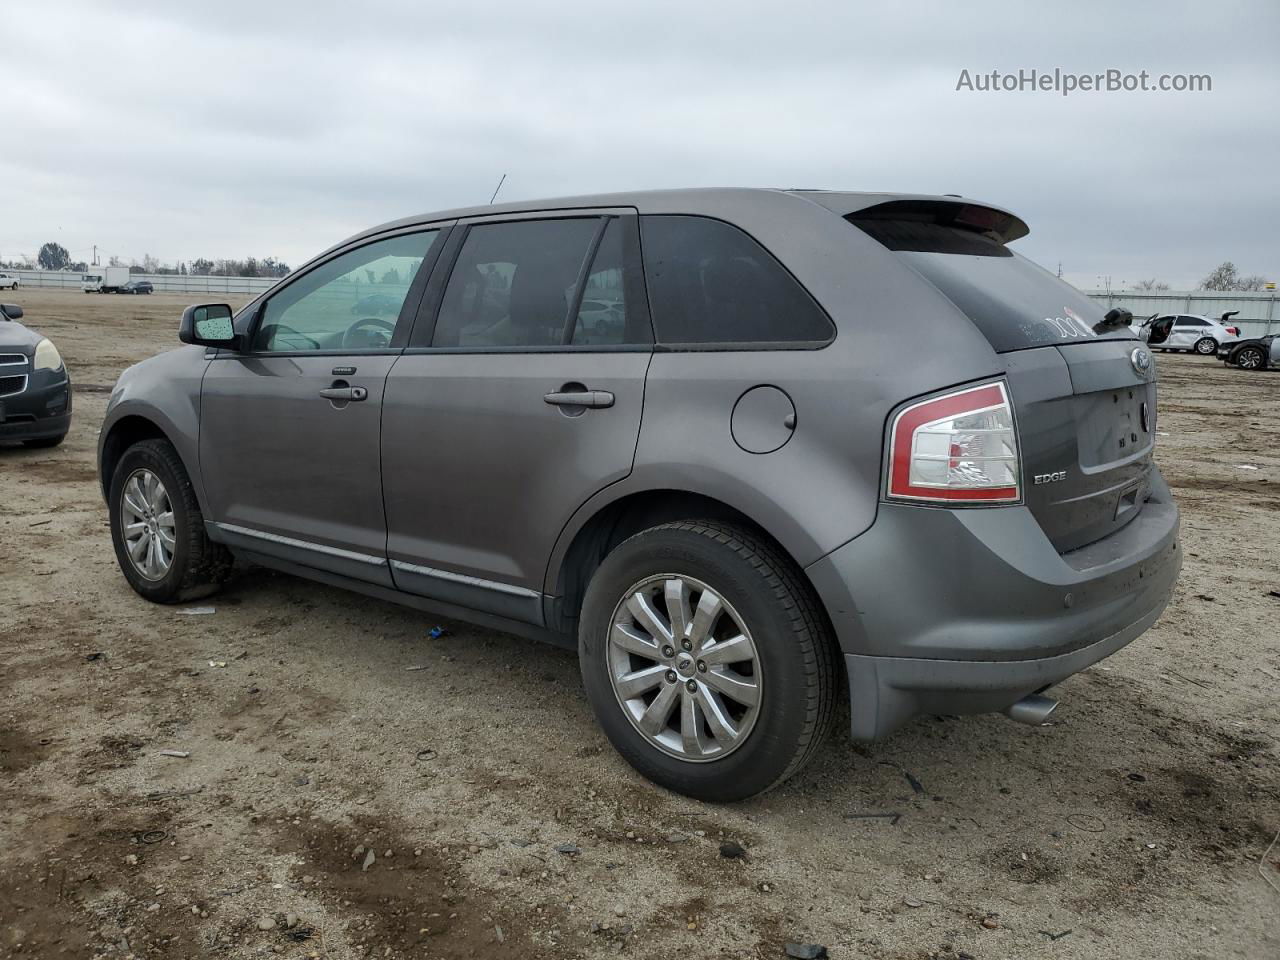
(497, 188)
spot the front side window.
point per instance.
(515, 284)
(710, 283)
(352, 302)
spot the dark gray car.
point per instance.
(35, 388)
(733, 490)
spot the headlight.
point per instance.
(47, 356)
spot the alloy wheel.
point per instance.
(684, 668)
(1249, 359)
(147, 524)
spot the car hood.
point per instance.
(15, 337)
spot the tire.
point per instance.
(198, 566)
(793, 670)
(41, 443)
(1249, 358)
(1206, 346)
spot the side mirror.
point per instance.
(208, 325)
(10, 311)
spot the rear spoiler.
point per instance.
(983, 218)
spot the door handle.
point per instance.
(596, 399)
(344, 393)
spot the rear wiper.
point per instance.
(1116, 317)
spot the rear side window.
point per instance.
(710, 283)
(1185, 321)
(541, 283)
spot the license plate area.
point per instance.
(1113, 425)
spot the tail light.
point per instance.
(1234, 331)
(960, 447)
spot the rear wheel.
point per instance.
(707, 660)
(158, 530)
(1206, 346)
(1250, 358)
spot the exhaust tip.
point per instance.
(1034, 710)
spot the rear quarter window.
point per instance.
(710, 283)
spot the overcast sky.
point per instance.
(274, 128)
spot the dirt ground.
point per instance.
(356, 788)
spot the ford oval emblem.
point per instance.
(1141, 361)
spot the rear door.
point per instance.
(289, 438)
(513, 404)
(1186, 331)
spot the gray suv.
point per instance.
(739, 448)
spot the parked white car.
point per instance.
(8, 282)
(1188, 332)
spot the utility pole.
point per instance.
(95, 254)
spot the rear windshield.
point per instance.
(1015, 303)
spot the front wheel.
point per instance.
(1250, 358)
(1206, 346)
(158, 530)
(707, 659)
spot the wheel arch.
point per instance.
(123, 433)
(583, 547)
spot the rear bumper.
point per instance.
(968, 611)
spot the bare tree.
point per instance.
(1225, 276)
(1152, 284)
(1222, 277)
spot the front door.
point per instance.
(519, 397)
(1159, 331)
(289, 441)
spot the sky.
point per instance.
(276, 129)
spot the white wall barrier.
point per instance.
(163, 282)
